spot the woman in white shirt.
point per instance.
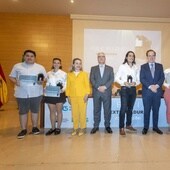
(128, 78)
(167, 95)
(55, 95)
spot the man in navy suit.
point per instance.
(101, 78)
(152, 78)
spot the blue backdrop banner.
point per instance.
(137, 119)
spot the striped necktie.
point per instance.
(152, 69)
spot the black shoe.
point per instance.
(35, 131)
(22, 134)
(144, 131)
(50, 132)
(157, 130)
(57, 131)
(94, 130)
(108, 130)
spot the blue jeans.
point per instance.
(128, 97)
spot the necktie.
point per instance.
(152, 70)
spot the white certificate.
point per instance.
(27, 80)
(52, 91)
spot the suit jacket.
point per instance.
(147, 79)
(77, 86)
(107, 79)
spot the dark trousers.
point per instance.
(97, 103)
(151, 102)
(128, 97)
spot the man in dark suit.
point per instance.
(101, 78)
(152, 78)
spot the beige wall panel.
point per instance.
(81, 22)
(48, 35)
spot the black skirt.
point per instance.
(54, 100)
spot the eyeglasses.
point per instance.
(101, 56)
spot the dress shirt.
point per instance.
(124, 71)
(101, 67)
(28, 90)
(53, 78)
(167, 78)
(152, 65)
(152, 68)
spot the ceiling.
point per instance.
(130, 8)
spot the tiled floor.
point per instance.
(97, 152)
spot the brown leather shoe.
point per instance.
(122, 132)
(131, 129)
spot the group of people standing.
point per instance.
(29, 77)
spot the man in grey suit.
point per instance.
(101, 78)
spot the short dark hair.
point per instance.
(30, 51)
(150, 51)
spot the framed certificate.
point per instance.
(52, 91)
(27, 79)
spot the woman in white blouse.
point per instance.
(128, 78)
(167, 95)
(56, 79)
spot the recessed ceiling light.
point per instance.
(72, 1)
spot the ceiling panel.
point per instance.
(134, 8)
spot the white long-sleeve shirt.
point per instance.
(53, 78)
(124, 71)
(167, 78)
